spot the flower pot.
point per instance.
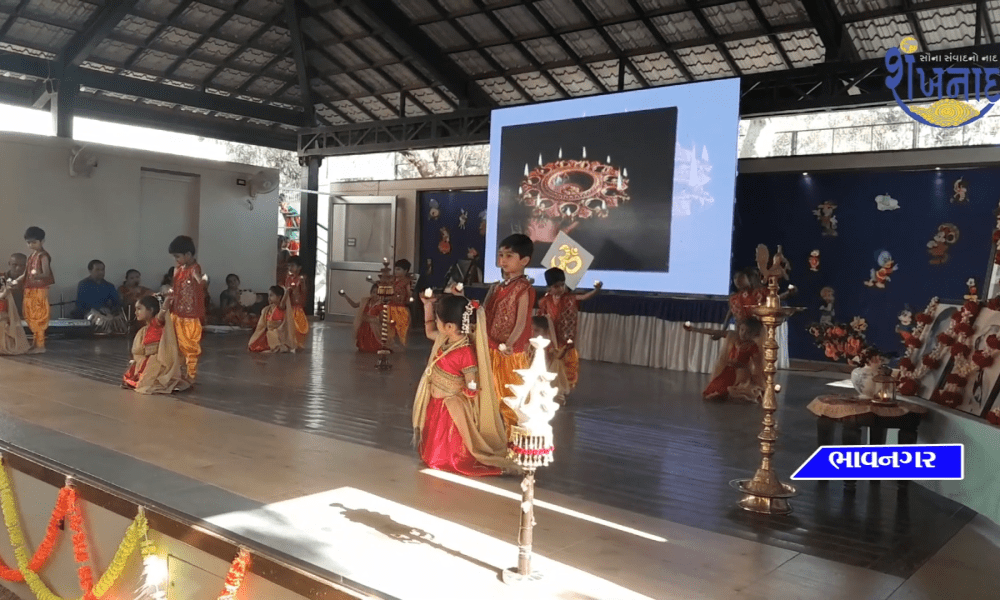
(863, 379)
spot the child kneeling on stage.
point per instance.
(275, 329)
(739, 372)
(156, 358)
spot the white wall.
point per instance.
(98, 217)
(407, 223)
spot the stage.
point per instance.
(309, 454)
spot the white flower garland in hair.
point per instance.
(467, 316)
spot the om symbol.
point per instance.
(570, 256)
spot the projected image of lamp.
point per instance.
(564, 193)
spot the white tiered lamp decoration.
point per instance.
(531, 446)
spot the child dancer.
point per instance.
(739, 372)
(275, 331)
(399, 304)
(156, 359)
(295, 287)
(508, 318)
(542, 327)
(36, 280)
(12, 338)
(368, 321)
(563, 308)
(188, 302)
(456, 420)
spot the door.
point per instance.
(362, 233)
(168, 207)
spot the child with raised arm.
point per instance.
(508, 309)
(35, 282)
(367, 323)
(563, 308)
(295, 287)
(156, 359)
(275, 331)
(456, 418)
(187, 302)
(12, 338)
(399, 304)
(739, 371)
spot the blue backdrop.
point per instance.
(778, 209)
(449, 207)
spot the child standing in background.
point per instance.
(188, 302)
(295, 288)
(563, 308)
(37, 279)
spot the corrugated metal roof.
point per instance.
(364, 65)
(735, 17)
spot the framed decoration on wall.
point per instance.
(980, 392)
(934, 378)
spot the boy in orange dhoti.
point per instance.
(508, 308)
(295, 287)
(36, 279)
(563, 307)
(402, 296)
(187, 302)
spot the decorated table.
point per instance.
(852, 413)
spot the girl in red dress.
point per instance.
(156, 358)
(456, 420)
(368, 321)
(739, 371)
(275, 329)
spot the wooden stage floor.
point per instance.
(631, 438)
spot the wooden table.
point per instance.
(852, 413)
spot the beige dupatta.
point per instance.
(359, 319)
(162, 374)
(478, 421)
(280, 338)
(13, 339)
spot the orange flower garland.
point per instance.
(80, 550)
(234, 578)
(48, 544)
(910, 373)
(963, 367)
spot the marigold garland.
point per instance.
(234, 578)
(80, 551)
(962, 321)
(48, 544)
(909, 372)
(8, 504)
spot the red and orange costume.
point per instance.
(741, 303)
(156, 360)
(366, 325)
(564, 313)
(456, 416)
(274, 332)
(399, 306)
(36, 296)
(738, 373)
(508, 321)
(295, 290)
(188, 314)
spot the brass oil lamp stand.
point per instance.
(385, 293)
(765, 493)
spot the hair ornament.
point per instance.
(467, 316)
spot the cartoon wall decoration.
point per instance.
(827, 311)
(905, 326)
(946, 236)
(827, 220)
(886, 267)
(444, 245)
(973, 289)
(886, 202)
(960, 194)
(814, 261)
(863, 231)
